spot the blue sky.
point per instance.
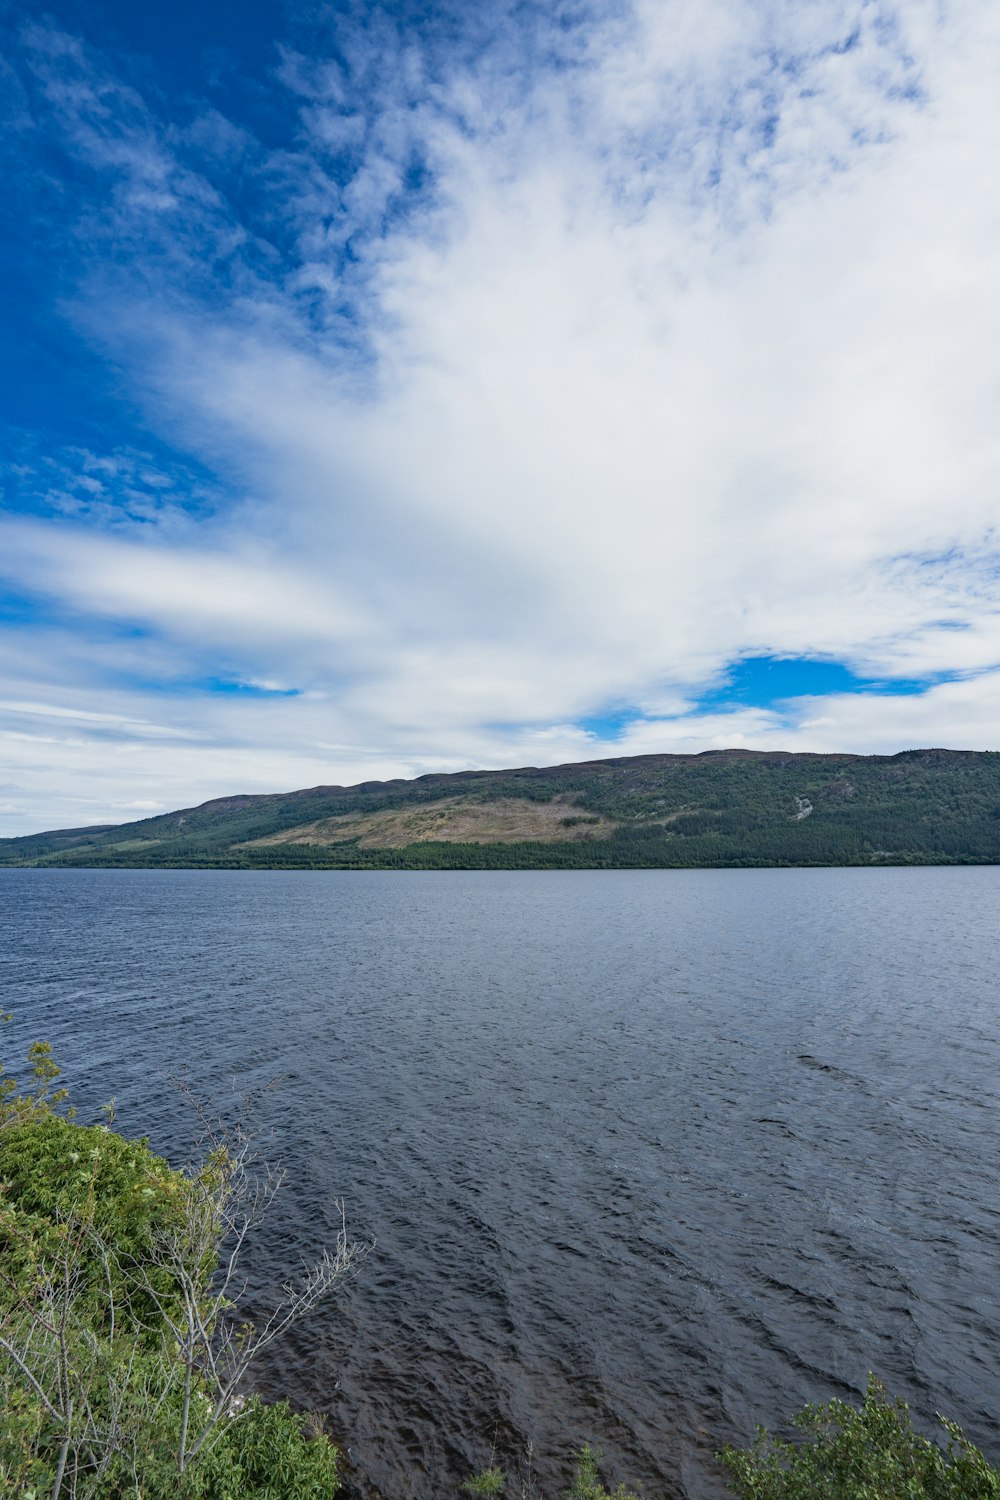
(394, 388)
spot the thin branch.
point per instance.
(53, 1411)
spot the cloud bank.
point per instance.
(485, 391)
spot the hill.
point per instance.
(721, 808)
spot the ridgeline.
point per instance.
(722, 808)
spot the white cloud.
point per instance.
(962, 714)
(241, 594)
(87, 718)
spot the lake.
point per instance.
(649, 1157)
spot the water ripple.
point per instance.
(649, 1156)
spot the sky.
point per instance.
(394, 388)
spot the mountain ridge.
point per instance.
(720, 808)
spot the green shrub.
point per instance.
(867, 1454)
(266, 1453)
(121, 1360)
(41, 1099)
(491, 1481)
(585, 1484)
(53, 1171)
(271, 1454)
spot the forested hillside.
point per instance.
(728, 807)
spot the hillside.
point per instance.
(725, 807)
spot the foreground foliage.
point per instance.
(842, 1453)
(122, 1356)
(585, 1485)
(867, 1454)
(124, 1362)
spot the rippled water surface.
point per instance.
(649, 1156)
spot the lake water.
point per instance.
(649, 1156)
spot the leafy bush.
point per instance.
(54, 1173)
(867, 1454)
(846, 1454)
(121, 1355)
(585, 1485)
